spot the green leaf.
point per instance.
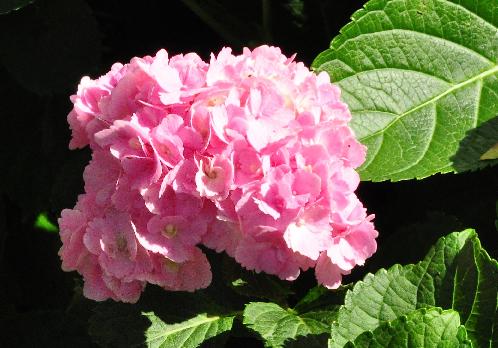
(42, 222)
(277, 325)
(161, 319)
(7, 6)
(492, 153)
(421, 328)
(417, 76)
(456, 274)
(296, 9)
(476, 149)
(190, 333)
(320, 298)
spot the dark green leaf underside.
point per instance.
(417, 76)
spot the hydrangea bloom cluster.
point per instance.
(249, 154)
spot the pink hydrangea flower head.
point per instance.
(249, 154)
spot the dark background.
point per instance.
(47, 46)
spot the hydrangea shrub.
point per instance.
(221, 181)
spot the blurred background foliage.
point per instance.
(46, 46)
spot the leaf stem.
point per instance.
(201, 9)
(266, 20)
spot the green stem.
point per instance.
(266, 20)
(206, 11)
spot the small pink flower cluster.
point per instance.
(249, 154)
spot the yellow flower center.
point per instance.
(122, 245)
(218, 100)
(170, 266)
(170, 231)
(134, 143)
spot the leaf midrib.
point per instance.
(434, 99)
(183, 328)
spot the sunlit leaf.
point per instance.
(456, 274)
(42, 222)
(418, 76)
(422, 328)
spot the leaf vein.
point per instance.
(434, 99)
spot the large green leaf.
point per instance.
(161, 319)
(456, 274)
(417, 76)
(277, 325)
(421, 328)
